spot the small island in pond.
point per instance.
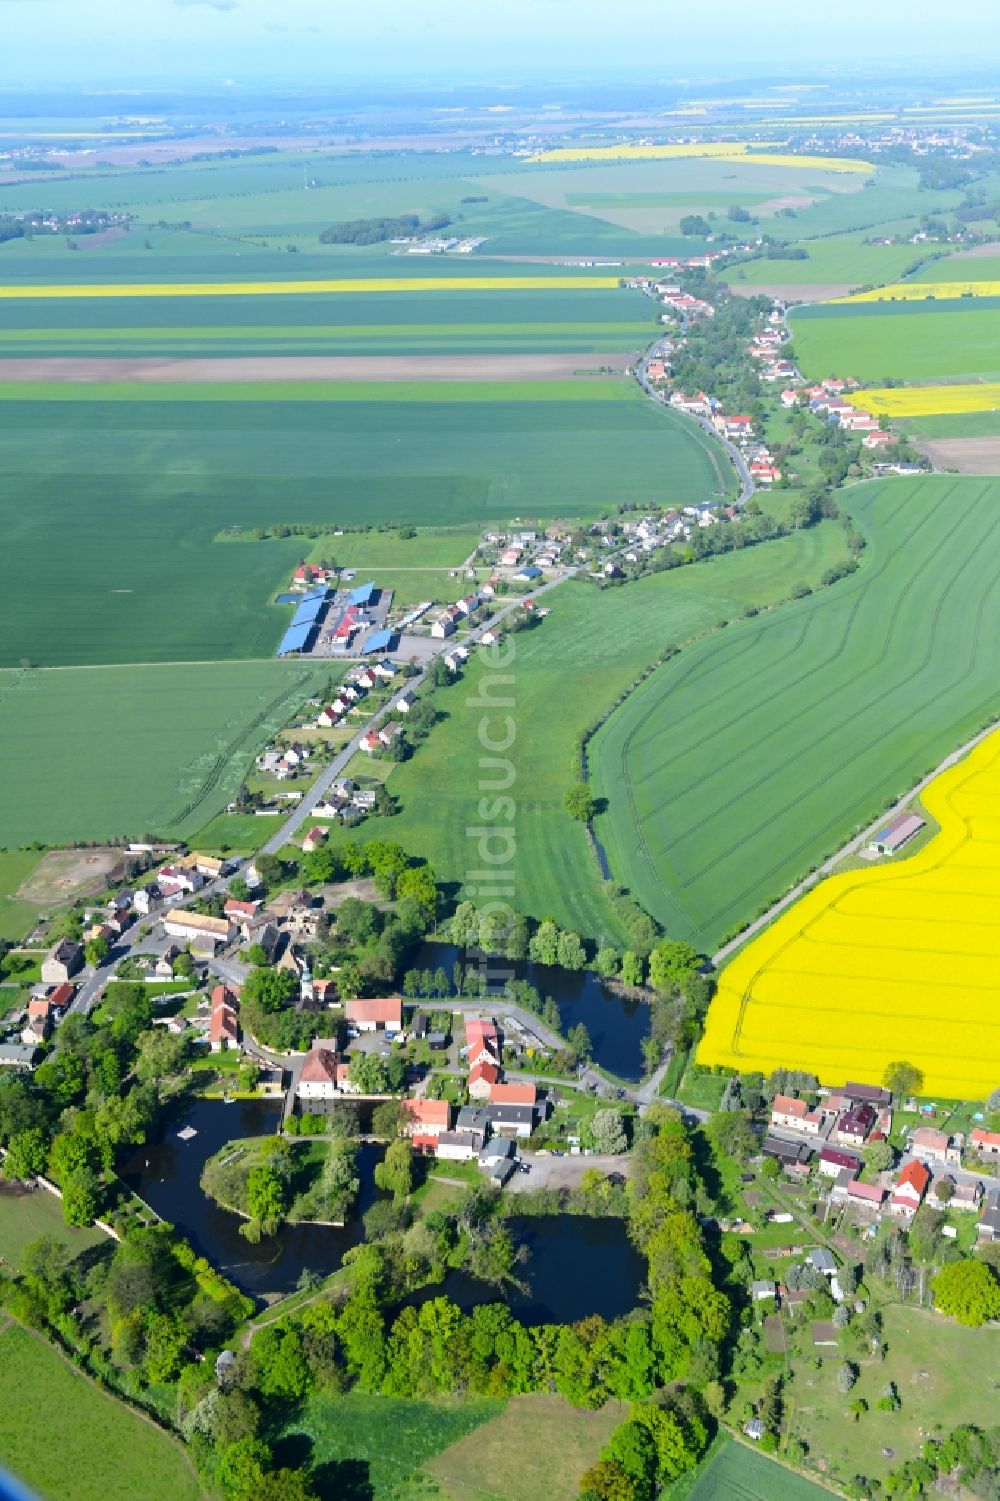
(269, 1181)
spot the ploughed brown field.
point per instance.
(818, 291)
(967, 455)
(430, 367)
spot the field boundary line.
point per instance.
(853, 844)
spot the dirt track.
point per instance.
(790, 292)
(429, 367)
(967, 455)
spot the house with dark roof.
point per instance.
(514, 1120)
(833, 1159)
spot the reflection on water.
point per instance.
(617, 1024)
(576, 1266)
(166, 1174)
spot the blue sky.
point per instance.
(46, 41)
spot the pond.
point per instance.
(166, 1174)
(577, 1265)
(617, 1024)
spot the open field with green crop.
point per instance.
(27, 1214)
(938, 1368)
(312, 323)
(565, 672)
(963, 267)
(374, 1447)
(838, 259)
(736, 767)
(553, 1443)
(104, 1452)
(900, 341)
(736, 1472)
(123, 503)
(93, 753)
(951, 425)
(431, 547)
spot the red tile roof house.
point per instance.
(318, 1079)
(60, 997)
(911, 1185)
(482, 1040)
(315, 837)
(427, 1117)
(370, 741)
(514, 1094)
(482, 1079)
(382, 1015)
(986, 1143)
(223, 1022)
(795, 1115)
(866, 1195)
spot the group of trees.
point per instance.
(98, 1095)
(374, 231)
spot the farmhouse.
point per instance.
(482, 1080)
(482, 1041)
(63, 962)
(891, 839)
(459, 1146)
(946, 1193)
(986, 1143)
(854, 1125)
(195, 928)
(928, 1146)
(514, 1094)
(318, 1079)
(382, 1015)
(514, 1120)
(872, 1094)
(911, 1185)
(427, 1117)
(866, 1195)
(223, 1024)
(833, 1159)
(792, 1114)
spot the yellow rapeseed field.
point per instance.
(898, 961)
(728, 151)
(928, 401)
(921, 291)
(284, 288)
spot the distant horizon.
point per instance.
(53, 44)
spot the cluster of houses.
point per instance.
(827, 401)
(765, 349)
(498, 1113)
(356, 687)
(830, 1135)
(452, 616)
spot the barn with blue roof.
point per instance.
(363, 594)
(297, 638)
(378, 641)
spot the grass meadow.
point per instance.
(93, 753)
(576, 662)
(24, 1216)
(373, 1447)
(844, 260)
(123, 503)
(865, 958)
(903, 341)
(16, 918)
(102, 1451)
(740, 764)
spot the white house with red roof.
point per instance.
(319, 1077)
(315, 837)
(482, 1079)
(370, 741)
(426, 1118)
(911, 1185)
(223, 1020)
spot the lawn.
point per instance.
(16, 918)
(104, 1452)
(367, 1448)
(431, 547)
(573, 665)
(902, 341)
(953, 424)
(737, 766)
(159, 587)
(24, 1216)
(735, 1472)
(944, 1375)
(881, 946)
(94, 753)
(538, 1446)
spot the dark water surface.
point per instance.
(576, 1266)
(166, 1174)
(616, 1023)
